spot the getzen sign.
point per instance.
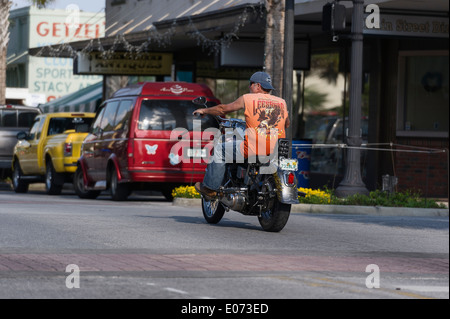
(66, 30)
(54, 76)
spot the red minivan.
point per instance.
(143, 138)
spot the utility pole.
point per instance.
(352, 182)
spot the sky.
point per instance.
(84, 5)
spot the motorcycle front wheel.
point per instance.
(275, 218)
(213, 210)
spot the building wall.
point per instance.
(423, 172)
(420, 161)
(51, 77)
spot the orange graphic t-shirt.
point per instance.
(265, 117)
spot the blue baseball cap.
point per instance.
(262, 78)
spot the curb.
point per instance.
(342, 209)
(369, 210)
(5, 187)
(32, 187)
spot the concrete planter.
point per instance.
(187, 202)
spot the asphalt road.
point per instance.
(146, 248)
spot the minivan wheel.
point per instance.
(78, 186)
(19, 185)
(119, 191)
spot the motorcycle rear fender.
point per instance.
(286, 194)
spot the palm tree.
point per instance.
(5, 5)
(274, 42)
(4, 39)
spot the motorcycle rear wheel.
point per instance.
(213, 210)
(275, 218)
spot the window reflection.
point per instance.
(167, 115)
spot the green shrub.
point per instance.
(375, 198)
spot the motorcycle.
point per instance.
(253, 188)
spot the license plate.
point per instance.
(288, 164)
(196, 152)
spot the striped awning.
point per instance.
(85, 100)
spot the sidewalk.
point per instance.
(343, 209)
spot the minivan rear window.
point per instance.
(58, 125)
(17, 118)
(167, 115)
(9, 118)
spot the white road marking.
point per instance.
(176, 291)
(426, 288)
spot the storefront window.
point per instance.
(423, 94)
(227, 91)
(323, 98)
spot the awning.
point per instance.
(85, 100)
(170, 35)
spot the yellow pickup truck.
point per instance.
(49, 151)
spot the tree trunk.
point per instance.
(274, 44)
(112, 84)
(4, 39)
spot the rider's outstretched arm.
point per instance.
(223, 109)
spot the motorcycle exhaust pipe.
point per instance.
(234, 201)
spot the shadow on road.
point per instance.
(432, 222)
(225, 222)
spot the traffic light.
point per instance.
(333, 17)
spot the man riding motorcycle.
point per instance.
(266, 119)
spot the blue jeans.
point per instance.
(224, 153)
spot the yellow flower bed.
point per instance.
(312, 195)
(185, 192)
(315, 196)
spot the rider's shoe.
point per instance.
(202, 189)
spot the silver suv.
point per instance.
(13, 119)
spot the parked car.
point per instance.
(13, 119)
(130, 147)
(49, 151)
(330, 160)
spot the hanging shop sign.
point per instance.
(124, 63)
(250, 54)
(409, 26)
